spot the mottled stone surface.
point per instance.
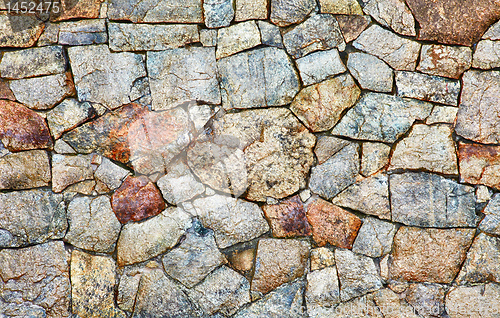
(87, 273)
(179, 184)
(487, 55)
(288, 218)
(323, 290)
(30, 30)
(481, 264)
(369, 195)
(5, 91)
(109, 80)
(318, 66)
(208, 37)
(426, 299)
(357, 274)
(331, 224)
(25, 170)
(429, 200)
(141, 241)
(258, 78)
(83, 32)
(33, 62)
(286, 12)
(337, 173)
(392, 306)
(479, 106)
(428, 87)
(176, 11)
(361, 307)
(479, 164)
(371, 72)
(493, 32)
(182, 75)
(110, 174)
(68, 170)
(31, 290)
(352, 25)
(400, 53)
(77, 9)
(327, 146)
(444, 60)
(429, 255)
(461, 22)
(270, 34)
(340, 7)
(233, 220)
(218, 13)
(426, 147)
(442, 114)
(69, 114)
(374, 156)
(475, 301)
(319, 32)
(321, 257)
(320, 106)
(394, 14)
(250, 10)
(278, 262)
(374, 238)
(491, 222)
(381, 117)
(237, 38)
(148, 37)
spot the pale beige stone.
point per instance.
(472, 302)
(444, 60)
(374, 156)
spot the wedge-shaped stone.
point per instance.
(479, 164)
(176, 11)
(270, 34)
(371, 72)
(288, 218)
(69, 114)
(25, 170)
(323, 290)
(394, 14)
(443, 115)
(237, 38)
(318, 66)
(375, 156)
(491, 222)
(493, 32)
(428, 87)
(481, 264)
(286, 12)
(32, 62)
(327, 146)
(352, 25)
(444, 60)
(374, 238)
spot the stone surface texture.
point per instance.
(479, 164)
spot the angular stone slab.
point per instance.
(174, 11)
(481, 264)
(82, 32)
(428, 88)
(251, 10)
(288, 218)
(392, 13)
(286, 12)
(475, 301)
(491, 222)
(237, 38)
(13, 37)
(317, 66)
(352, 25)
(374, 237)
(487, 55)
(69, 114)
(32, 62)
(218, 13)
(444, 60)
(25, 170)
(479, 164)
(371, 72)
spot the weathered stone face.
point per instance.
(318, 66)
(352, 25)
(25, 170)
(30, 30)
(286, 12)
(288, 218)
(481, 264)
(428, 88)
(237, 38)
(443, 60)
(371, 72)
(177, 11)
(394, 14)
(479, 164)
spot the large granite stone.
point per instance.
(25, 170)
(218, 13)
(176, 11)
(426, 299)
(327, 146)
(444, 60)
(20, 30)
(286, 12)
(318, 66)
(371, 72)
(394, 14)
(251, 10)
(428, 87)
(481, 264)
(68, 170)
(323, 290)
(374, 238)
(237, 38)
(479, 164)
(32, 62)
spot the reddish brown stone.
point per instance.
(479, 164)
(137, 199)
(71, 9)
(288, 218)
(461, 22)
(5, 92)
(21, 128)
(352, 25)
(332, 224)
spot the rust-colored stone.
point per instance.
(21, 128)
(479, 164)
(332, 224)
(71, 9)
(460, 22)
(137, 199)
(5, 92)
(352, 25)
(288, 218)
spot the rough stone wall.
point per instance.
(250, 158)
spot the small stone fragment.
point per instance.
(479, 164)
(483, 194)
(286, 12)
(443, 115)
(429, 200)
(428, 88)
(476, 301)
(491, 222)
(374, 238)
(32, 62)
(340, 7)
(331, 224)
(321, 257)
(337, 173)
(218, 13)
(62, 147)
(110, 174)
(487, 55)
(251, 10)
(392, 306)
(352, 25)
(179, 184)
(444, 60)
(288, 218)
(427, 147)
(174, 11)
(150, 37)
(400, 53)
(328, 146)
(319, 32)
(68, 170)
(141, 241)
(493, 32)
(88, 9)
(25, 170)
(375, 156)
(371, 72)
(5, 91)
(358, 274)
(278, 262)
(83, 32)
(270, 34)
(318, 66)
(394, 14)
(429, 255)
(481, 264)
(322, 290)
(237, 38)
(208, 37)
(426, 299)
(137, 199)
(30, 29)
(69, 114)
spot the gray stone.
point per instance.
(35, 281)
(251, 10)
(208, 37)
(346, 7)
(371, 72)
(475, 301)
(374, 238)
(67, 115)
(42, 92)
(236, 38)
(337, 173)
(442, 114)
(92, 224)
(25, 170)
(32, 62)
(218, 13)
(479, 106)
(63, 148)
(50, 35)
(175, 11)
(194, 258)
(68, 170)
(183, 75)
(319, 32)
(83, 32)
(370, 196)
(258, 78)
(357, 274)
(394, 14)
(286, 12)
(322, 290)
(109, 80)
(141, 241)
(224, 291)
(392, 306)
(491, 222)
(361, 307)
(428, 87)
(232, 220)
(179, 184)
(493, 33)
(426, 299)
(444, 60)
(150, 37)
(110, 174)
(327, 146)
(429, 200)
(29, 30)
(481, 264)
(427, 147)
(487, 55)
(285, 301)
(400, 53)
(374, 156)
(381, 117)
(270, 34)
(318, 66)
